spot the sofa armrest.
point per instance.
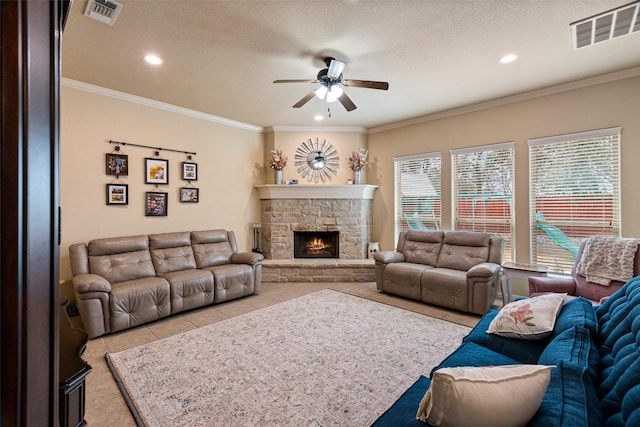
(485, 270)
(250, 258)
(552, 284)
(86, 283)
(387, 257)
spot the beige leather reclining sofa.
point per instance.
(454, 269)
(123, 282)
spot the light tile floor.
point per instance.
(104, 403)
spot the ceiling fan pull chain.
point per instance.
(329, 111)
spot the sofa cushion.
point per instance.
(531, 318)
(494, 396)
(461, 250)
(445, 287)
(576, 312)
(231, 281)
(472, 354)
(521, 351)
(619, 387)
(169, 240)
(570, 399)
(135, 302)
(422, 247)
(575, 345)
(403, 279)
(212, 247)
(122, 267)
(614, 319)
(171, 252)
(190, 289)
(173, 259)
(117, 245)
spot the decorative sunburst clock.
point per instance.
(316, 159)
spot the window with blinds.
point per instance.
(482, 190)
(574, 193)
(417, 192)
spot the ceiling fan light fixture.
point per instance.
(334, 93)
(321, 92)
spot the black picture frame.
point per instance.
(156, 203)
(156, 171)
(117, 194)
(117, 164)
(189, 195)
(189, 171)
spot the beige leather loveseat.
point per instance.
(123, 282)
(454, 269)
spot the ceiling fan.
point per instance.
(331, 80)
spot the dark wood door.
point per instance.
(30, 34)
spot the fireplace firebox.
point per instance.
(316, 244)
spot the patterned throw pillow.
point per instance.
(529, 319)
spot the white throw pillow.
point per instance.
(495, 396)
(529, 319)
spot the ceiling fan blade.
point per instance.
(346, 102)
(295, 81)
(366, 84)
(335, 68)
(308, 97)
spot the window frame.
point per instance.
(431, 215)
(493, 203)
(562, 216)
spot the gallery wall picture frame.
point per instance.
(117, 164)
(189, 171)
(117, 194)
(189, 195)
(156, 203)
(156, 171)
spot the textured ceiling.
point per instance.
(221, 57)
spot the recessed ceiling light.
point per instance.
(153, 59)
(508, 58)
(318, 117)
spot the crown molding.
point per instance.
(98, 90)
(345, 129)
(578, 84)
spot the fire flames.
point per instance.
(316, 245)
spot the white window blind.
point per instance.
(417, 192)
(574, 193)
(482, 190)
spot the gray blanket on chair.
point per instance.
(607, 258)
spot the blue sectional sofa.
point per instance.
(595, 351)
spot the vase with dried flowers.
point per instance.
(357, 162)
(277, 161)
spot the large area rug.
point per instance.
(324, 359)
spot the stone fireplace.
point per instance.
(345, 209)
(316, 244)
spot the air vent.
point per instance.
(105, 11)
(606, 26)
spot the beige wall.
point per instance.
(344, 142)
(230, 162)
(602, 106)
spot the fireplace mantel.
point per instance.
(324, 191)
